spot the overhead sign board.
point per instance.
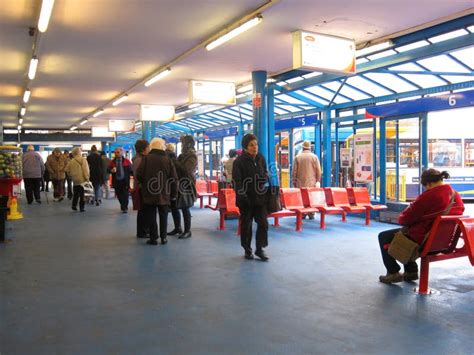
(296, 122)
(212, 92)
(324, 53)
(159, 113)
(219, 133)
(101, 132)
(121, 125)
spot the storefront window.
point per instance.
(445, 152)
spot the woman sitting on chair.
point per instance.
(417, 220)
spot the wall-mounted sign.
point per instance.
(121, 125)
(101, 132)
(346, 157)
(296, 122)
(212, 92)
(160, 113)
(324, 53)
(257, 100)
(363, 158)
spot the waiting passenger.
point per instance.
(157, 177)
(56, 164)
(142, 148)
(249, 178)
(67, 180)
(228, 165)
(170, 151)
(33, 170)
(417, 220)
(185, 165)
(78, 170)
(121, 169)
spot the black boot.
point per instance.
(261, 254)
(164, 241)
(176, 231)
(185, 235)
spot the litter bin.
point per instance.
(3, 216)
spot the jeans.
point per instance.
(177, 218)
(150, 217)
(32, 187)
(389, 261)
(78, 195)
(247, 215)
(97, 191)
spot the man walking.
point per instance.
(33, 170)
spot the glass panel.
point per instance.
(469, 153)
(391, 81)
(382, 54)
(353, 94)
(312, 97)
(425, 81)
(449, 35)
(289, 108)
(279, 111)
(411, 46)
(409, 159)
(444, 153)
(290, 99)
(442, 63)
(465, 55)
(320, 91)
(367, 86)
(407, 67)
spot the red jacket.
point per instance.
(421, 213)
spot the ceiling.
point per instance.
(94, 50)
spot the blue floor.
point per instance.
(81, 283)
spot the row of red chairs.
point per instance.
(206, 188)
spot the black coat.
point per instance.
(249, 177)
(96, 168)
(186, 166)
(157, 178)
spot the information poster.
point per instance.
(200, 157)
(363, 158)
(346, 157)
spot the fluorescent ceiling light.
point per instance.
(45, 14)
(374, 48)
(20, 121)
(471, 29)
(83, 122)
(449, 35)
(26, 95)
(158, 76)
(22, 111)
(33, 66)
(120, 100)
(73, 128)
(411, 46)
(235, 32)
(294, 80)
(311, 75)
(194, 105)
(98, 113)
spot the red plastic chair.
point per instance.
(226, 207)
(202, 191)
(337, 197)
(442, 244)
(292, 200)
(315, 197)
(214, 188)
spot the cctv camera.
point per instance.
(31, 31)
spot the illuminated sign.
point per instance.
(324, 53)
(121, 125)
(160, 113)
(101, 132)
(212, 92)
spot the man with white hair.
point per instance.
(157, 178)
(33, 170)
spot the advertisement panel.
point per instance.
(212, 92)
(363, 158)
(121, 125)
(160, 113)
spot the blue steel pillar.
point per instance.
(423, 145)
(317, 139)
(271, 161)
(327, 156)
(210, 159)
(153, 127)
(383, 161)
(240, 135)
(260, 117)
(291, 153)
(337, 169)
(146, 130)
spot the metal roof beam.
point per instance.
(424, 72)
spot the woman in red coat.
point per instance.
(417, 219)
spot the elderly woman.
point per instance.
(249, 174)
(417, 220)
(78, 170)
(142, 147)
(56, 164)
(158, 184)
(33, 170)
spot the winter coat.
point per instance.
(56, 167)
(33, 166)
(306, 170)
(95, 165)
(127, 170)
(136, 160)
(157, 177)
(105, 169)
(250, 178)
(78, 170)
(186, 166)
(422, 212)
(228, 165)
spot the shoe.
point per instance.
(164, 241)
(185, 235)
(391, 278)
(410, 276)
(74, 208)
(97, 203)
(124, 211)
(261, 254)
(175, 232)
(311, 216)
(60, 199)
(83, 210)
(248, 255)
(30, 202)
(38, 201)
(152, 242)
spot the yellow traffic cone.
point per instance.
(14, 213)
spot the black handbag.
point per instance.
(273, 198)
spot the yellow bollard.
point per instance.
(14, 213)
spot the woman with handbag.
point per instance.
(417, 219)
(250, 177)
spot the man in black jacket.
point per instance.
(249, 174)
(97, 175)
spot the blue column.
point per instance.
(290, 157)
(374, 154)
(272, 164)
(210, 159)
(424, 140)
(383, 162)
(240, 135)
(146, 130)
(397, 160)
(327, 156)
(153, 127)
(260, 117)
(317, 139)
(337, 155)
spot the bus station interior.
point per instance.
(82, 283)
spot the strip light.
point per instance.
(19, 127)
(26, 95)
(235, 32)
(98, 113)
(374, 48)
(73, 128)
(158, 76)
(45, 14)
(83, 122)
(33, 66)
(22, 111)
(20, 121)
(120, 100)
